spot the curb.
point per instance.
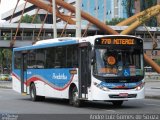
(152, 80)
(6, 84)
(152, 97)
(5, 87)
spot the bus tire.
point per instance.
(33, 93)
(74, 99)
(117, 103)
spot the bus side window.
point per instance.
(60, 57)
(50, 57)
(17, 60)
(69, 56)
(72, 56)
(31, 59)
(40, 58)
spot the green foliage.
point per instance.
(28, 19)
(129, 6)
(144, 4)
(147, 4)
(5, 59)
(115, 21)
(158, 61)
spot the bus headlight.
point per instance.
(101, 86)
(139, 87)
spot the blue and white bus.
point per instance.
(97, 68)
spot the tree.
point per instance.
(5, 59)
(28, 19)
(158, 61)
(147, 4)
(129, 6)
(114, 21)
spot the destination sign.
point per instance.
(115, 41)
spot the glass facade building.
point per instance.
(105, 9)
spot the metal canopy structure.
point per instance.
(134, 21)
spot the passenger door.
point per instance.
(23, 72)
(84, 69)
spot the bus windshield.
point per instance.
(118, 62)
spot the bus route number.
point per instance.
(122, 41)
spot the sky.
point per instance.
(7, 5)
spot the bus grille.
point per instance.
(121, 88)
(129, 96)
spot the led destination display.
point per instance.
(117, 41)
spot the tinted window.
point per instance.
(60, 57)
(40, 58)
(50, 57)
(72, 56)
(17, 60)
(31, 61)
(55, 57)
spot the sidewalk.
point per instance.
(6, 84)
(152, 88)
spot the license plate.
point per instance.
(123, 94)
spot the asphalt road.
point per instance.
(14, 103)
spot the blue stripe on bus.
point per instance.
(58, 78)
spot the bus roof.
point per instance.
(55, 40)
(47, 44)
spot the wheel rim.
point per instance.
(75, 97)
(32, 93)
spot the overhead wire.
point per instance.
(85, 32)
(14, 11)
(66, 25)
(37, 38)
(35, 15)
(14, 39)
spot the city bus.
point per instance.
(106, 68)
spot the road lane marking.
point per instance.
(152, 105)
(113, 111)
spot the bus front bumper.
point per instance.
(129, 94)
